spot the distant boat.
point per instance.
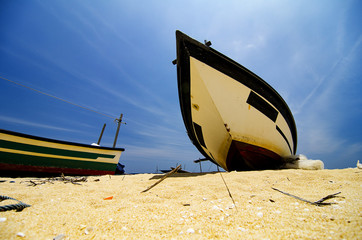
(22, 154)
(232, 116)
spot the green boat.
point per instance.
(26, 154)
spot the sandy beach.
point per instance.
(187, 206)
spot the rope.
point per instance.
(227, 188)
(49, 95)
(18, 206)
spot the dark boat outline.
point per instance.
(187, 47)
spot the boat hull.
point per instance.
(232, 116)
(25, 154)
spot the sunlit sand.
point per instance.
(187, 206)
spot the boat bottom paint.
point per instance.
(244, 156)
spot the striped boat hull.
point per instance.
(30, 154)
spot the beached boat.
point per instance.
(233, 117)
(22, 153)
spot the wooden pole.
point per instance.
(199, 161)
(163, 178)
(119, 124)
(100, 137)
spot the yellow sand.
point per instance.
(189, 206)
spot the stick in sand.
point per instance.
(163, 178)
(317, 203)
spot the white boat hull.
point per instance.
(228, 119)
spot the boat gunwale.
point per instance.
(58, 141)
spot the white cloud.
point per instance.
(33, 124)
(318, 138)
(162, 152)
(353, 149)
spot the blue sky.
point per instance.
(115, 57)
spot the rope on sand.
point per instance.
(227, 188)
(18, 206)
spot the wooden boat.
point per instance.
(233, 117)
(22, 153)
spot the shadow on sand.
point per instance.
(158, 176)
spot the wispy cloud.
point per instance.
(33, 124)
(330, 80)
(89, 34)
(353, 149)
(321, 80)
(161, 153)
(159, 134)
(319, 138)
(134, 99)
